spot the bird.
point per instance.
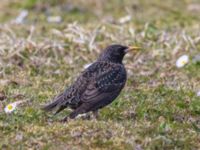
(97, 86)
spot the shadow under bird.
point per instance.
(97, 86)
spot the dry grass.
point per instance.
(158, 109)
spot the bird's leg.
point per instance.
(95, 114)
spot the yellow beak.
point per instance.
(133, 48)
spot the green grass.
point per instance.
(158, 108)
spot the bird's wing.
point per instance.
(98, 81)
(71, 96)
(105, 84)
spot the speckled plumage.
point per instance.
(97, 86)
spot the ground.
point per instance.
(158, 108)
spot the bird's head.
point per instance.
(115, 53)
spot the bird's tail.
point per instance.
(57, 103)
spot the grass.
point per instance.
(158, 108)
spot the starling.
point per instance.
(97, 86)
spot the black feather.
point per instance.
(56, 102)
